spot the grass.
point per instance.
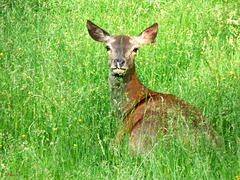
(56, 120)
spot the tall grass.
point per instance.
(56, 120)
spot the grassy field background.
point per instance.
(56, 120)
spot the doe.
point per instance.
(144, 112)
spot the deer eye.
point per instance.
(135, 50)
(108, 48)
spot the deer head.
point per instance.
(122, 49)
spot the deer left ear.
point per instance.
(97, 33)
(148, 35)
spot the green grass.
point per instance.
(56, 121)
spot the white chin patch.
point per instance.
(119, 71)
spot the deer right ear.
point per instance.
(148, 35)
(97, 33)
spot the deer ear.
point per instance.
(148, 35)
(97, 33)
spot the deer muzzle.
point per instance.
(118, 67)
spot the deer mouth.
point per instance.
(118, 72)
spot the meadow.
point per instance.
(56, 120)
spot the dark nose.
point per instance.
(119, 63)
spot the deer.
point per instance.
(143, 112)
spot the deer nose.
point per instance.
(119, 63)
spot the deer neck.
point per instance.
(126, 91)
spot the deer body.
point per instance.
(143, 111)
